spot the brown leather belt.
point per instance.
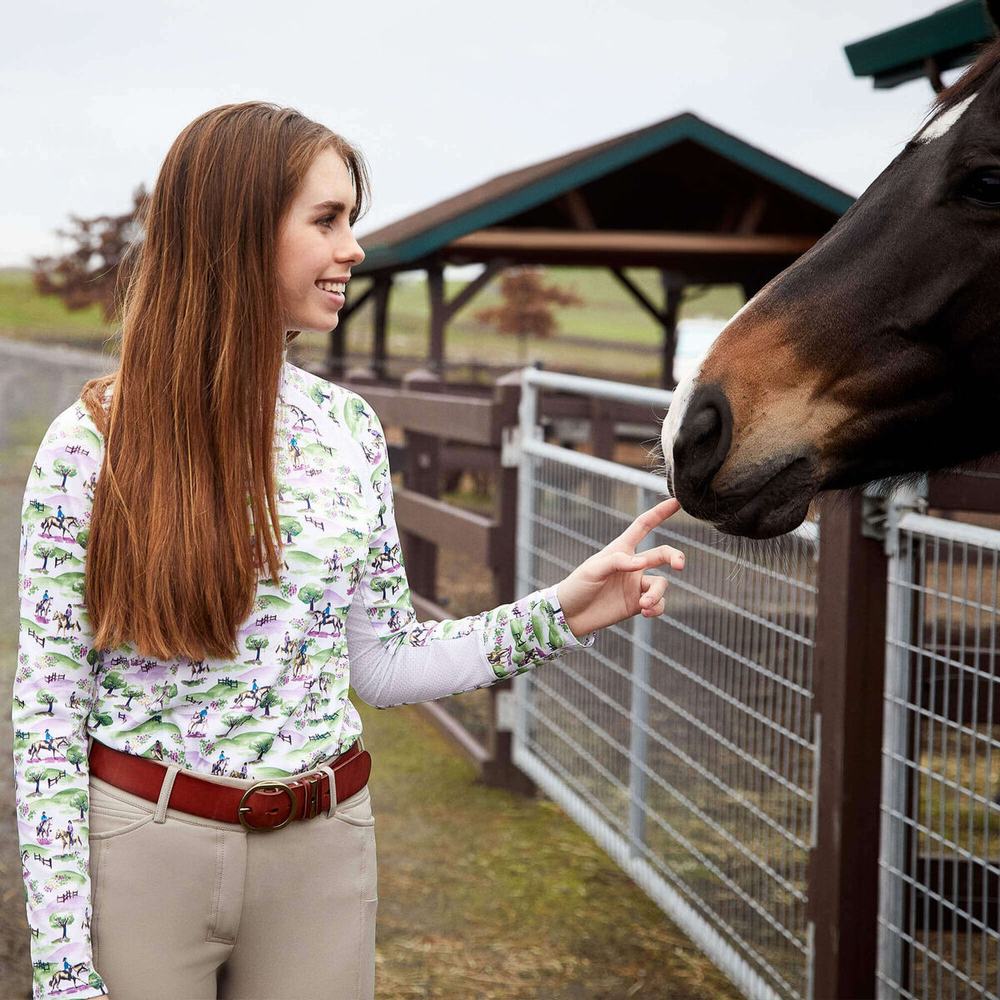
(266, 805)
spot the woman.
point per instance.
(198, 697)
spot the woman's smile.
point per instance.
(334, 299)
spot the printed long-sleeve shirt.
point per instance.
(340, 614)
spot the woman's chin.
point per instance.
(314, 325)
(328, 324)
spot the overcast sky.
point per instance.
(440, 95)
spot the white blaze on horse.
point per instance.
(876, 355)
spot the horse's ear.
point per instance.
(993, 10)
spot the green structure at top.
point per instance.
(944, 40)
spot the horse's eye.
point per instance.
(983, 188)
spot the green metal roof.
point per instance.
(951, 36)
(416, 236)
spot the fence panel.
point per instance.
(685, 745)
(939, 933)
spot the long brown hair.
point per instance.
(189, 435)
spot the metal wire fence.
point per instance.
(685, 745)
(939, 934)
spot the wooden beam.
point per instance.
(356, 303)
(441, 523)
(438, 714)
(673, 295)
(493, 268)
(637, 293)
(976, 488)
(752, 213)
(457, 418)
(729, 244)
(575, 205)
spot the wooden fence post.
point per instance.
(850, 669)
(422, 473)
(500, 770)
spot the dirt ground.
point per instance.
(482, 894)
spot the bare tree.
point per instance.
(89, 272)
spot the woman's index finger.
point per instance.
(648, 520)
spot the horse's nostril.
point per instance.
(703, 438)
(703, 429)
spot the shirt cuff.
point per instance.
(569, 639)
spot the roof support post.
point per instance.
(932, 70)
(438, 316)
(336, 350)
(383, 286)
(673, 294)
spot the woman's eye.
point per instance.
(329, 219)
(983, 188)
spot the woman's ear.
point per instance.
(993, 9)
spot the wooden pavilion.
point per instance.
(683, 196)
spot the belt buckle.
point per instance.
(243, 808)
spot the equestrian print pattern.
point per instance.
(340, 614)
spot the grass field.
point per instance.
(610, 318)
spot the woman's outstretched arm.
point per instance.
(397, 660)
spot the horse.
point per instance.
(68, 838)
(385, 560)
(254, 696)
(876, 354)
(52, 523)
(66, 623)
(73, 976)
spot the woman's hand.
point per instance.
(610, 587)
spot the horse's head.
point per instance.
(876, 354)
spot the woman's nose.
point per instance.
(354, 253)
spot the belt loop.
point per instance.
(333, 789)
(165, 789)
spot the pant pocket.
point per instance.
(112, 817)
(356, 810)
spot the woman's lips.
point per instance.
(334, 298)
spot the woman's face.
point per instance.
(316, 246)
